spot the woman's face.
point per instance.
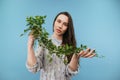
(61, 25)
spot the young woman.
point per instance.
(63, 33)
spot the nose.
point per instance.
(60, 25)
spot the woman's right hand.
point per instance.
(30, 41)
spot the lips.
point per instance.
(58, 30)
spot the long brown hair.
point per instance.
(69, 35)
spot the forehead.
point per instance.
(63, 17)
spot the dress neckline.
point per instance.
(59, 42)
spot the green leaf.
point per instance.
(21, 35)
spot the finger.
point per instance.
(92, 51)
(31, 37)
(81, 52)
(89, 54)
(92, 55)
(86, 52)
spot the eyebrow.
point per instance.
(61, 20)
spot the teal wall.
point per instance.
(97, 24)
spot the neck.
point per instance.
(57, 36)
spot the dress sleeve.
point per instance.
(69, 72)
(39, 54)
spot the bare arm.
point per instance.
(31, 59)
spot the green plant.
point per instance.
(41, 35)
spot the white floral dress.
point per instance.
(55, 70)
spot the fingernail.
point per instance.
(93, 51)
(89, 49)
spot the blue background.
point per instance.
(97, 24)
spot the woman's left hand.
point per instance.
(88, 53)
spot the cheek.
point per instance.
(65, 29)
(54, 27)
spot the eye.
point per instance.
(59, 21)
(65, 24)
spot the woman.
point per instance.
(63, 33)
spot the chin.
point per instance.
(59, 34)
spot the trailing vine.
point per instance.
(41, 35)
